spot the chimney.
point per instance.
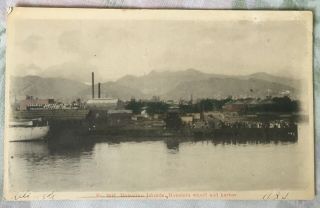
(92, 85)
(99, 90)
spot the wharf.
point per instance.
(55, 114)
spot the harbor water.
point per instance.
(159, 166)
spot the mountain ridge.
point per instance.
(166, 84)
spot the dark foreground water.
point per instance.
(157, 166)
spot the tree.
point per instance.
(157, 107)
(135, 106)
(284, 104)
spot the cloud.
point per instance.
(27, 69)
(70, 41)
(80, 71)
(31, 43)
(116, 48)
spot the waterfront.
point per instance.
(157, 166)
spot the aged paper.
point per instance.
(158, 104)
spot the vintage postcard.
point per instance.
(158, 104)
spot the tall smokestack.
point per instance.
(99, 90)
(92, 85)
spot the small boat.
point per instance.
(27, 130)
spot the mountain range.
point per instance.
(167, 84)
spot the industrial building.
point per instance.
(31, 102)
(106, 112)
(102, 104)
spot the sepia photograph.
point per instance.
(158, 104)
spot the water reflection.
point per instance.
(38, 151)
(74, 149)
(172, 145)
(33, 152)
(77, 146)
(117, 164)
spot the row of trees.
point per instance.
(276, 104)
(151, 107)
(159, 107)
(204, 105)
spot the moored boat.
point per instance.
(27, 130)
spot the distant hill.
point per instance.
(276, 79)
(181, 84)
(167, 85)
(46, 87)
(222, 87)
(159, 83)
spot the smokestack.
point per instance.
(99, 90)
(92, 85)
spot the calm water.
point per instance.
(156, 165)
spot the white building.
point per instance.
(102, 103)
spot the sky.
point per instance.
(112, 48)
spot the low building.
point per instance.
(214, 114)
(196, 116)
(187, 120)
(144, 112)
